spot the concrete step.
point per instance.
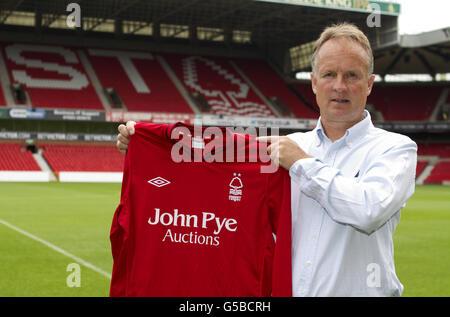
(44, 165)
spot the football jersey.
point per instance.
(200, 216)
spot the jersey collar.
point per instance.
(196, 138)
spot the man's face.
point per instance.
(341, 82)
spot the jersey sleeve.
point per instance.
(279, 201)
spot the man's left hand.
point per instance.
(282, 150)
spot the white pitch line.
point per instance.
(57, 249)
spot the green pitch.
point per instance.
(422, 243)
(74, 217)
(44, 228)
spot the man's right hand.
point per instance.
(123, 138)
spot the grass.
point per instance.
(74, 217)
(422, 243)
(77, 218)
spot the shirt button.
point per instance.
(303, 291)
(314, 235)
(308, 263)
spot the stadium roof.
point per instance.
(427, 53)
(271, 22)
(273, 26)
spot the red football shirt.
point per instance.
(197, 217)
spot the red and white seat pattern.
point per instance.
(440, 154)
(53, 76)
(139, 79)
(272, 85)
(58, 77)
(439, 174)
(420, 167)
(220, 84)
(305, 89)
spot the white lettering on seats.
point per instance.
(128, 66)
(77, 79)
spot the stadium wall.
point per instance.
(90, 177)
(22, 176)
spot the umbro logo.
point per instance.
(159, 182)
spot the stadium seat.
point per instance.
(272, 85)
(439, 174)
(53, 76)
(219, 83)
(139, 79)
(83, 158)
(441, 150)
(420, 167)
(14, 158)
(2, 98)
(404, 103)
(306, 91)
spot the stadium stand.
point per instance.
(139, 79)
(420, 167)
(15, 158)
(53, 76)
(82, 158)
(437, 157)
(404, 103)
(310, 98)
(439, 174)
(2, 98)
(272, 85)
(62, 76)
(436, 149)
(219, 83)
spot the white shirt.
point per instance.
(346, 203)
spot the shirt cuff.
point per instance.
(301, 167)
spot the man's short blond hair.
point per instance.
(343, 30)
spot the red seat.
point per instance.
(220, 84)
(404, 103)
(2, 98)
(140, 81)
(420, 167)
(14, 158)
(439, 174)
(272, 85)
(83, 158)
(441, 150)
(52, 75)
(306, 91)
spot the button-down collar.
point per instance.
(351, 135)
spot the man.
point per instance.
(349, 180)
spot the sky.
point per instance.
(417, 16)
